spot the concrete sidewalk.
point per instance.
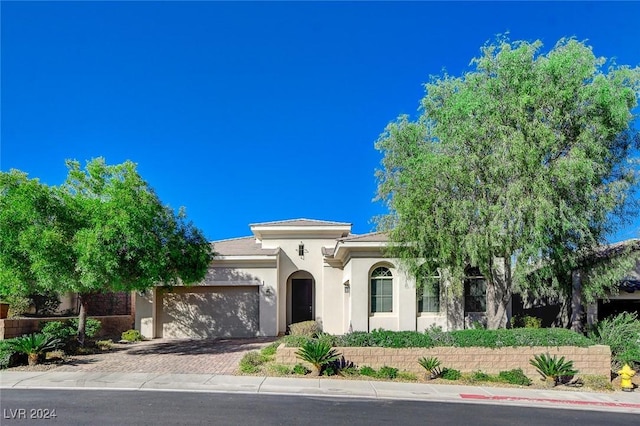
(627, 402)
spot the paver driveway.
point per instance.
(203, 356)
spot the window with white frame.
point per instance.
(429, 295)
(381, 290)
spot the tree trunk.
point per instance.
(577, 310)
(563, 318)
(33, 358)
(498, 293)
(82, 317)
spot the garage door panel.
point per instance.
(201, 312)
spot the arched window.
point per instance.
(381, 290)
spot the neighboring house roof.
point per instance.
(244, 246)
(377, 237)
(301, 222)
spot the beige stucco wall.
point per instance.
(404, 315)
(290, 262)
(143, 302)
(594, 360)
(337, 310)
(334, 300)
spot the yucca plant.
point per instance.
(432, 365)
(318, 354)
(552, 368)
(33, 345)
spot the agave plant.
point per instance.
(432, 365)
(552, 368)
(318, 354)
(33, 345)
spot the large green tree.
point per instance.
(103, 230)
(520, 163)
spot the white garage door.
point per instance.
(200, 312)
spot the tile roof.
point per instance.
(244, 246)
(301, 222)
(381, 237)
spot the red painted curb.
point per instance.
(549, 400)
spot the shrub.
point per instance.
(406, 375)
(317, 353)
(368, 371)
(58, 329)
(629, 356)
(18, 305)
(451, 374)
(350, 371)
(67, 331)
(552, 368)
(300, 370)
(356, 339)
(439, 337)
(515, 377)
(329, 370)
(305, 328)
(622, 334)
(460, 338)
(294, 341)
(6, 353)
(279, 369)
(33, 345)
(480, 376)
(597, 383)
(526, 321)
(432, 365)
(386, 339)
(251, 362)
(104, 345)
(519, 337)
(386, 372)
(131, 336)
(270, 351)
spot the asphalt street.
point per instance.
(118, 407)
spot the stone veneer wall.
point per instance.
(112, 325)
(590, 360)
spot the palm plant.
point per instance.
(432, 365)
(318, 354)
(552, 368)
(33, 345)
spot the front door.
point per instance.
(301, 299)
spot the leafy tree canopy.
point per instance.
(103, 230)
(524, 158)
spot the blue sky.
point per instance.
(248, 112)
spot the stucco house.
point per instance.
(296, 270)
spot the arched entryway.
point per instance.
(300, 297)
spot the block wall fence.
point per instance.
(594, 360)
(112, 325)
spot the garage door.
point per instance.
(201, 312)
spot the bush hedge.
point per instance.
(622, 334)
(460, 338)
